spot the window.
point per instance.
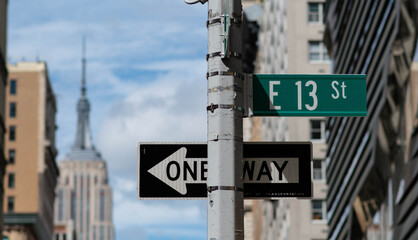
(12, 156)
(60, 205)
(314, 51)
(317, 130)
(101, 233)
(11, 180)
(57, 236)
(13, 87)
(318, 210)
(64, 236)
(10, 204)
(317, 52)
(73, 205)
(74, 200)
(81, 205)
(102, 205)
(12, 133)
(315, 12)
(318, 170)
(12, 112)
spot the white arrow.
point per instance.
(176, 170)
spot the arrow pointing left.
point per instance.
(176, 170)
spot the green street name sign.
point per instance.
(306, 95)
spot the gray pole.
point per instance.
(225, 102)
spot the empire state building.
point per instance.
(83, 204)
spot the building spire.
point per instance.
(83, 62)
(83, 137)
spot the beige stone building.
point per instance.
(31, 173)
(290, 42)
(3, 81)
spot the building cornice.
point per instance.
(27, 219)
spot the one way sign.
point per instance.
(179, 170)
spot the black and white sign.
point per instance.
(180, 170)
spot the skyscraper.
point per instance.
(31, 173)
(83, 206)
(371, 161)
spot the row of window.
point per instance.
(315, 11)
(317, 52)
(12, 152)
(318, 134)
(318, 210)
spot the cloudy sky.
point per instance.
(146, 82)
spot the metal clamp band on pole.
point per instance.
(221, 88)
(234, 20)
(212, 107)
(222, 73)
(220, 54)
(228, 188)
(196, 1)
(213, 21)
(215, 54)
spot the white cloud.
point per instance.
(138, 213)
(171, 108)
(124, 185)
(129, 211)
(194, 233)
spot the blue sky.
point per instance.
(146, 82)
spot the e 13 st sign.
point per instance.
(307, 95)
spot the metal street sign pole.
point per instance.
(225, 112)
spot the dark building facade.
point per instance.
(3, 81)
(372, 169)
